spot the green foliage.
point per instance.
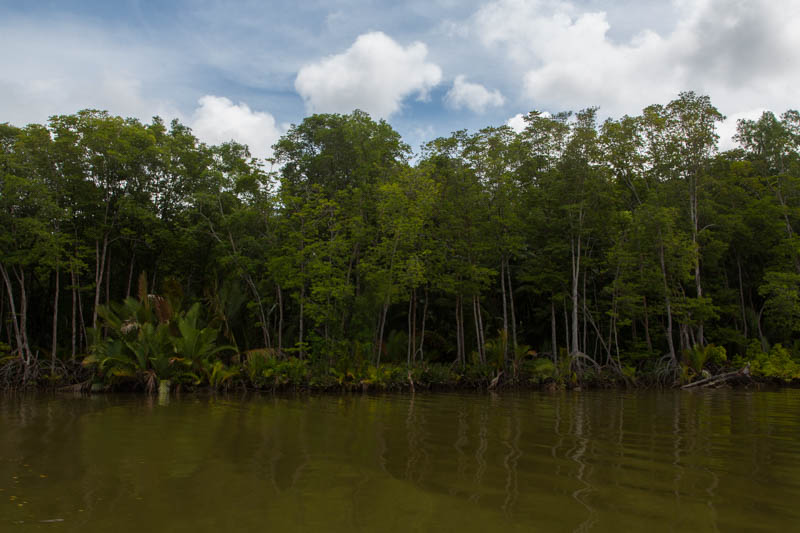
(495, 350)
(539, 369)
(265, 370)
(778, 362)
(219, 375)
(5, 352)
(697, 357)
(148, 340)
(782, 293)
(629, 372)
(479, 375)
(628, 250)
(194, 343)
(383, 376)
(566, 373)
(519, 356)
(395, 347)
(435, 374)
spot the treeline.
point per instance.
(626, 248)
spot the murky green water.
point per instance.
(599, 461)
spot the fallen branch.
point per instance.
(77, 387)
(720, 378)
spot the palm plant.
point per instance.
(696, 358)
(147, 341)
(220, 375)
(194, 343)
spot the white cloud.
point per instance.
(742, 54)
(517, 123)
(473, 96)
(219, 120)
(375, 75)
(727, 128)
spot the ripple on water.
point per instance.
(445, 462)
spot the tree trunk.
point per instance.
(410, 341)
(647, 325)
(74, 310)
(280, 320)
(695, 225)
(13, 310)
(684, 336)
(8, 328)
(83, 336)
(130, 275)
(554, 340)
(475, 312)
(262, 316)
(3, 320)
(384, 312)
(614, 328)
(461, 344)
(108, 278)
(513, 315)
(505, 310)
(99, 270)
(583, 305)
(667, 306)
(55, 323)
(422, 329)
(576, 268)
(566, 329)
(789, 230)
(598, 338)
(480, 328)
(302, 298)
(23, 319)
(462, 332)
(741, 296)
(155, 276)
(413, 343)
(458, 334)
(347, 312)
(761, 336)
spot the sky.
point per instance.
(246, 70)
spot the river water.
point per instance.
(567, 461)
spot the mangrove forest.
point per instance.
(625, 251)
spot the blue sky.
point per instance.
(247, 69)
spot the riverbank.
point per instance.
(294, 374)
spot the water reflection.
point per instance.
(512, 442)
(562, 461)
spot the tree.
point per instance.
(682, 139)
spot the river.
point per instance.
(567, 461)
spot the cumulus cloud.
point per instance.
(375, 75)
(743, 54)
(516, 123)
(727, 128)
(473, 96)
(219, 120)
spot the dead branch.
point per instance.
(720, 378)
